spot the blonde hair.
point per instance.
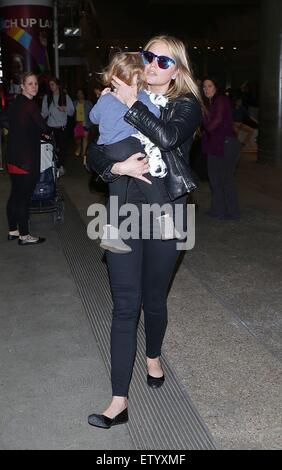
(125, 65)
(26, 75)
(184, 82)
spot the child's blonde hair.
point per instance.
(125, 65)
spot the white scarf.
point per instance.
(157, 166)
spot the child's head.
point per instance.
(128, 67)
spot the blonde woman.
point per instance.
(25, 124)
(141, 278)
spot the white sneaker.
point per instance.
(111, 240)
(168, 231)
(29, 240)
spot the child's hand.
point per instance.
(123, 92)
(105, 91)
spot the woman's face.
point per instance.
(80, 95)
(209, 88)
(53, 86)
(30, 86)
(159, 79)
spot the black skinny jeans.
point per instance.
(224, 200)
(19, 202)
(139, 277)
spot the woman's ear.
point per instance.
(175, 74)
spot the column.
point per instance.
(270, 103)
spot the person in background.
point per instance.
(222, 147)
(243, 122)
(82, 124)
(25, 125)
(56, 107)
(95, 183)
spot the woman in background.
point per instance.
(25, 124)
(222, 147)
(82, 124)
(56, 108)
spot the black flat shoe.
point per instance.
(30, 241)
(102, 421)
(12, 237)
(155, 382)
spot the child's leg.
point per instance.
(111, 239)
(155, 194)
(119, 151)
(84, 145)
(77, 146)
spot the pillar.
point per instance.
(270, 102)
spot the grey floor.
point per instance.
(223, 340)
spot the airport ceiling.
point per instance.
(206, 2)
(184, 17)
(128, 19)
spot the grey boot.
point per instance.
(168, 231)
(111, 240)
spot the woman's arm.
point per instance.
(165, 135)
(98, 162)
(4, 119)
(214, 120)
(171, 134)
(37, 117)
(134, 166)
(69, 106)
(45, 108)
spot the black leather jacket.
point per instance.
(173, 133)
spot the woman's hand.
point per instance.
(123, 92)
(62, 109)
(135, 166)
(46, 136)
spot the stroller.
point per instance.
(46, 197)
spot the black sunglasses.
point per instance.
(164, 62)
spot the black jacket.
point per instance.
(173, 133)
(25, 124)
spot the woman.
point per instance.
(56, 107)
(82, 124)
(222, 147)
(25, 124)
(142, 277)
(243, 123)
